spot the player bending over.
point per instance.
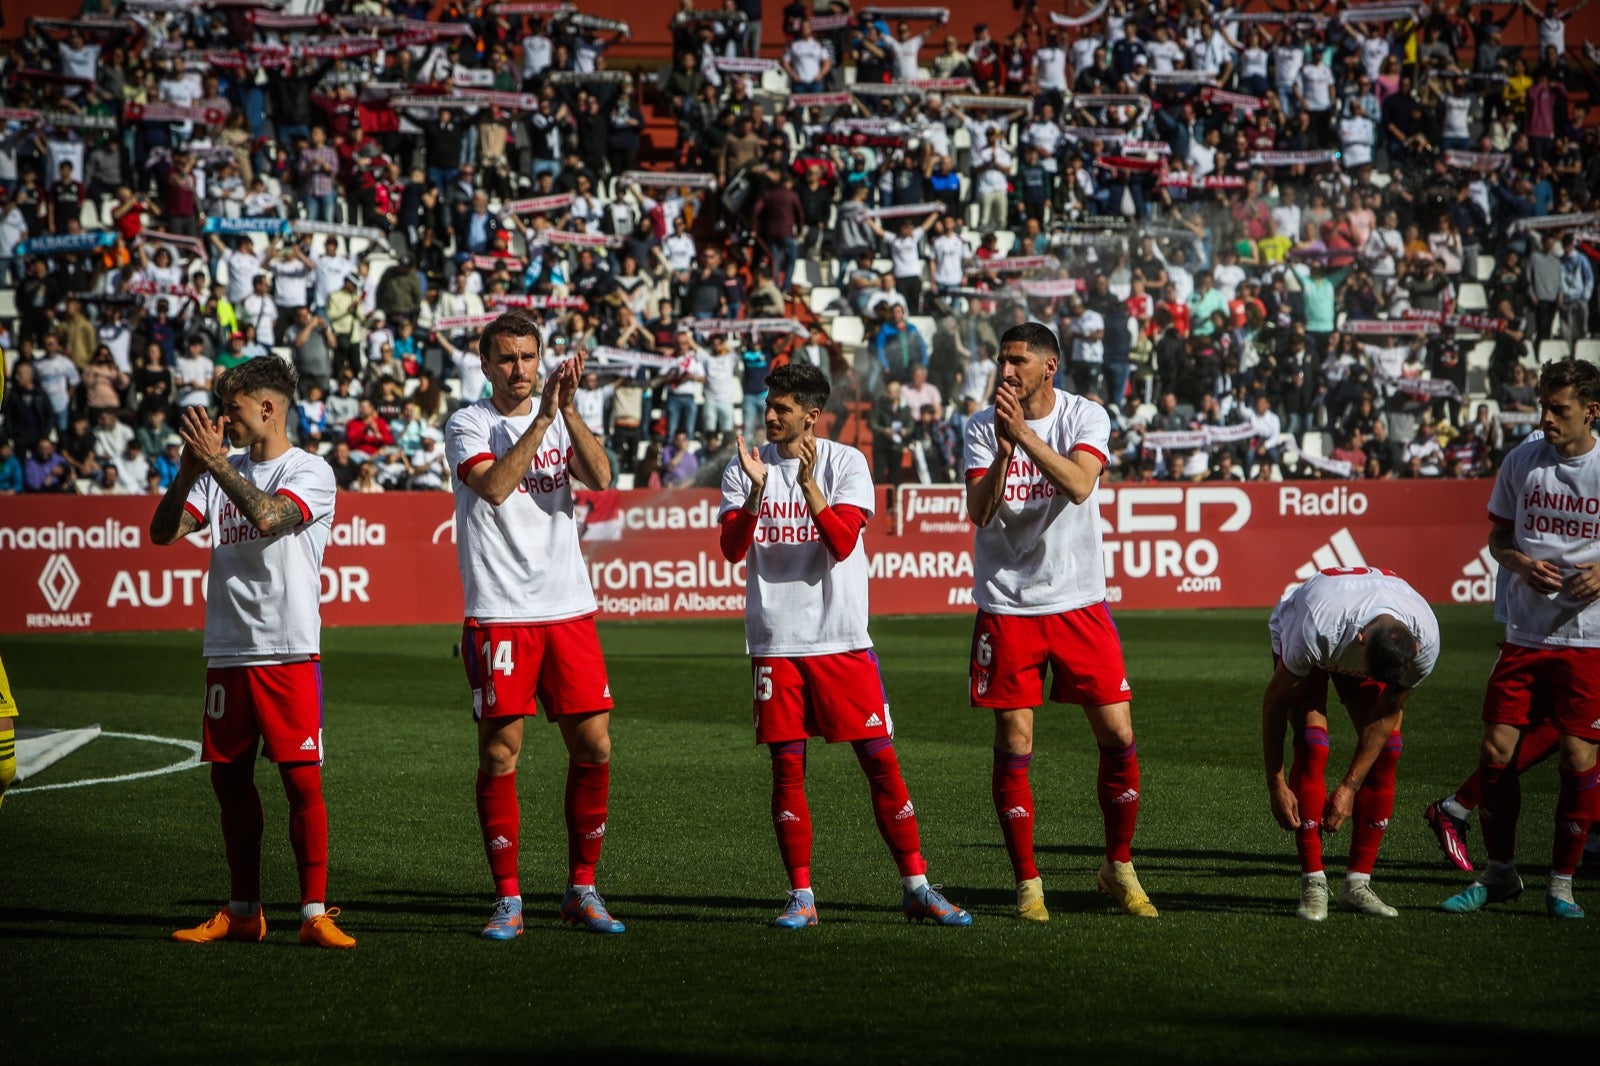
(1547, 541)
(529, 637)
(797, 508)
(1376, 638)
(269, 510)
(1033, 464)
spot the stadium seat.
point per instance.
(1005, 240)
(775, 81)
(1316, 444)
(849, 330)
(821, 297)
(1589, 348)
(1485, 266)
(883, 266)
(8, 302)
(1145, 413)
(807, 272)
(1471, 297)
(926, 326)
(1478, 367)
(1552, 348)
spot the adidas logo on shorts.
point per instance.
(309, 744)
(787, 816)
(874, 721)
(597, 833)
(1125, 686)
(499, 843)
(1013, 813)
(1128, 796)
(905, 812)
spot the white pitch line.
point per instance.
(189, 763)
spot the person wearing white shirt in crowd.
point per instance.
(80, 59)
(950, 256)
(429, 467)
(1315, 91)
(1286, 214)
(379, 335)
(1044, 133)
(806, 60)
(117, 335)
(720, 365)
(260, 310)
(902, 51)
(330, 268)
(1050, 65)
(536, 53)
(1164, 52)
(1356, 130)
(992, 163)
(1288, 59)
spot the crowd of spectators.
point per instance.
(1300, 242)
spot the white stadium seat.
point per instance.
(925, 326)
(822, 296)
(1471, 297)
(1551, 349)
(1589, 348)
(848, 330)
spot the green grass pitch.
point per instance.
(93, 879)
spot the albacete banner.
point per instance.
(86, 564)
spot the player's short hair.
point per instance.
(1391, 649)
(1036, 336)
(514, 323)
(803, 381)
(1580, 375)
(262, 374)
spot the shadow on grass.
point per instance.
(1415, 1038)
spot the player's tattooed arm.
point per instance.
(172, 520)
(1542, 574)
(269, 513)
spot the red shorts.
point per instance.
(836, 697)
(1081, 649)
(511, 663)
(280, 704)
(1560, 685)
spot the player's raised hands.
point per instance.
(1009, 425)
(202, 438)
(808, 461)
(550, 400)
(1285, 808)
(1585, 584)
(750, 462)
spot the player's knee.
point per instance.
(1497, 749)
(497, 755)
(1577, 756)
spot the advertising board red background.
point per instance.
(86, 563)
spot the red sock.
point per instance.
(1470, 794)
(499, 816)
(588, 787)
(1118, 786)
(891, 804)
(1575, 810)
(1305, 781)
(1499, 807)
(242, 824)
(791, 817)
(1374, 805)
(1013, 802)
(308, 828)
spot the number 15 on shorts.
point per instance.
(762, 676)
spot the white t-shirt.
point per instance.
(906, 255)
(1253, 62)
(720, 368)
(1050, 67)
(591, 405)
(263, 592)
(1288, 61)
(191, 371)
(79, 62)
(1316, 625)
(1041, 552)
(331, 270)
(806, 58)
(520, 562)
(1374, 50)
(799, 601)
(290, 278)
(1084, 350)
(242, 270)
(1164, 55)
(1316, 85)
(902, 56)
(1457, 117)
(1355, 140)
(950, 254)
(1553, 505)
(537, 51)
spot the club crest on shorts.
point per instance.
(983, 682)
